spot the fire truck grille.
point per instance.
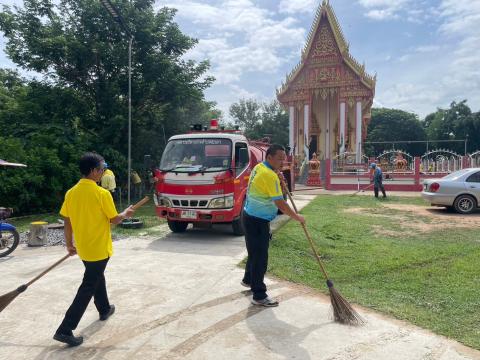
(190, 203)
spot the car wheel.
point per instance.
(177, 226)
(464, 204)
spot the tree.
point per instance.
(456, 123)
(259, 120)
(246, 114)
(274, 123)
(395, 126)
(81, 102)
(77, 45)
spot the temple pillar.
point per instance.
(342, 127)
(306, 128)
(291, 129)
(328, 149)
(358, 132)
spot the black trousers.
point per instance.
(381, 187)
(93, 285)
(257, 239)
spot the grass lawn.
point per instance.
(146, 213)
(411, 264)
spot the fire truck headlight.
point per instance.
(222, 202)
(229, 201)
(163, 201)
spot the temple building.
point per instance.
(328, 94)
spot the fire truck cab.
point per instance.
(203, 178)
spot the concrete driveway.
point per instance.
(178, 297)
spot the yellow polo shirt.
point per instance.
(108, 180)
(90, 208)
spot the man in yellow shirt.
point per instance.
(88, 211)
(108, 180)
(137, 185)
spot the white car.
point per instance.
(459, 190)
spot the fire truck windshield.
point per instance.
(197, 155)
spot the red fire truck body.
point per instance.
(203, 178)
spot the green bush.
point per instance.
(40, 187)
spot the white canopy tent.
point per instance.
(6, 163)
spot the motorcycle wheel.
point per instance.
(9, 240)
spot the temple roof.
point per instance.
(325, 10)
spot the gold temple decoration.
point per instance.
(325, 53)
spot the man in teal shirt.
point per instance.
(377, 180)
(264, 198)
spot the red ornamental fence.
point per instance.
(402, 172)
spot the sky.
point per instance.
(425, 52)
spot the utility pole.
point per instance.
(113, 11)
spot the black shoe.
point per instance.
(267, 302)
(108, 314)
(68, 339)
(245, 284)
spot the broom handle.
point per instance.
(49, 269)
(140, 203)
(368, 187)
(135, 207)
(306, 231)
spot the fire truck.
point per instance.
(203, 177)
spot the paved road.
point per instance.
(178, 297)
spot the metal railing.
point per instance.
(346, 164)
(440, 162)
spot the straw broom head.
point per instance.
(6, 299)
(343, 312)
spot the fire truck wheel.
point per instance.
(237, 225)
(177, 226)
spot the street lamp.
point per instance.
(113, 11)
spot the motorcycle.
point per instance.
(9, 237)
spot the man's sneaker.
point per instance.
(244, 284)
(68, 339)
(108, 314)
(267, 302)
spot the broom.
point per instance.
(343, 312)
(6, 299)
(362, 190)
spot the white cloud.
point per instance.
(427, 48)
(230, 64)
(244, 94)
(461, 19)
(389, 9)
(297, 6)
(382, 3)
(434, 74)
(230, 15)
(278, 34)
(381, 14)
(254, 38)
(413, 97)
(207, 46)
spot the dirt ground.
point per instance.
(414, 219)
